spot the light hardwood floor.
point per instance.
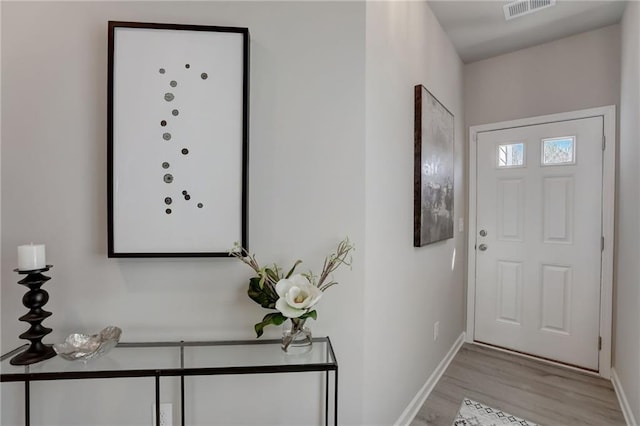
(533, 390)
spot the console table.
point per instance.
(181, 359)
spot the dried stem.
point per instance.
(342, 256)
(241, 253)
(333, 262)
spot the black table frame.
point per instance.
(27, 377)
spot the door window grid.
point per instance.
(511, 155)
(558, 151)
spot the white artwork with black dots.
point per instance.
(178, 157)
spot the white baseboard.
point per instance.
(622, 398)
(414, 406)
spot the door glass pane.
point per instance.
(511, 155)
(559, 151)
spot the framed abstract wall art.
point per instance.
(433, 169)
(177, 139)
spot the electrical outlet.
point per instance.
(166, 414)
(436, 330)
(460, 224)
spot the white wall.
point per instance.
(407, 288)
(307, 174)
(311, 181)
(627, 316)
(1, 347)
(569, 74)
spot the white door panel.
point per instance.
(538, 277)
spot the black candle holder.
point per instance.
(34, 299)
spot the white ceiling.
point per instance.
(478, 29)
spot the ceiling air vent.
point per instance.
(519, 8)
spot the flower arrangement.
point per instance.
(291, 296)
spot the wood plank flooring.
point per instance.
(533, 390)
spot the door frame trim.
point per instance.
(608, 113)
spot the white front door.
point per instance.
(539, 228)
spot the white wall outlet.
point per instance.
(460, 224)
(166, 414)
(436, 330)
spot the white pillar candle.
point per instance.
(31, 256)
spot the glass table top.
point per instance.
(178, 358)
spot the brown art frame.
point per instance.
(177, 142)
(433, 169)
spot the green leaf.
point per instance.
(275, 318)
(293, 268)
(312, 314)
(261, 295)
(272, 275)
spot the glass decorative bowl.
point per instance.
(84, 347)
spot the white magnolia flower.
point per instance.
(297, 296)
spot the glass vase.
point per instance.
(296, 338)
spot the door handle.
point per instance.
(482, 247)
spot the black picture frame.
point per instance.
(433, 169)
(177, 139)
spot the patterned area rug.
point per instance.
(473, 413)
